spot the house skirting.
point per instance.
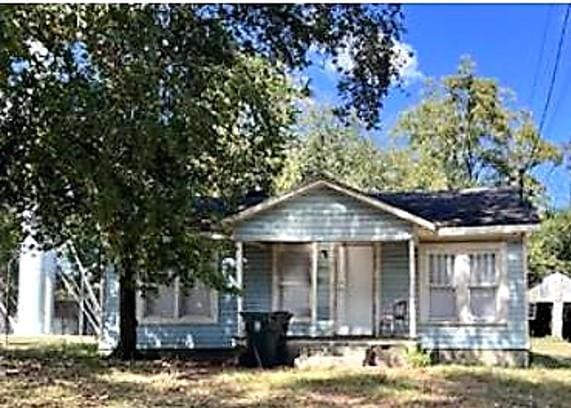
(505, 358)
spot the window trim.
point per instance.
(177, 319)
(462, 252)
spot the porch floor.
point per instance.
(351, 341)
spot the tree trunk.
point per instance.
(127, 346)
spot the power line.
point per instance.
(555, 68)
(564, 88)
(540, 55)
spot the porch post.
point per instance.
(313, 296)
(412, 289)
(376, 283)
(239, 283)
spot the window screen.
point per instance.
(295, 282)
(196, 302)
(483, 285)
(442, 302)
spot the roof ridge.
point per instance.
(459, 190)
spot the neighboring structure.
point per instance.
(36, 291)
(340, 259)
(50, 297)
(550, 299)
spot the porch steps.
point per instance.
(350, 353)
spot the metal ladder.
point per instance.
(8, 300)
(82, 292)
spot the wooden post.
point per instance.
(376, 286)
(80, 321)
(313, 296)
(276, 303)
(412, 290)
(335, 287)
(240, 284)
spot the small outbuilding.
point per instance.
(550, 307)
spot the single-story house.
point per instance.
(550, 306)
(445, 269)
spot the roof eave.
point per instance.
(486, 230)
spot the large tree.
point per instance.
(325, 146)
(466, 126)
(120, 119)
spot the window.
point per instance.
(442, 291)
(160, 304)
(483, 285)
(463, 283)
(294, 280)
(174, 303)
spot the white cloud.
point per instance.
(405, 57)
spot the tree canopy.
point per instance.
(119, 120)
(465, 124)
(550, 247)
(348, 152)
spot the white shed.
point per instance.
(554, 289)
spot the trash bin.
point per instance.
(266, 338)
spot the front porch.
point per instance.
(340, 293)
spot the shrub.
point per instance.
(417, 357)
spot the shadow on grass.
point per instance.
(513, 388)
(549, 361)
(76, 374)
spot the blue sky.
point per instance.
(505, 41)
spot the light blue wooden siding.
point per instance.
(257, 278)
(169, 336)
(394, 276)
(110, 315)
(322, 215)
(512, 335)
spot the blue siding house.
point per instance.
(445, 270)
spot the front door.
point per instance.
(355, 290)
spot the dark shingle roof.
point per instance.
(452, 208)
(465, 208)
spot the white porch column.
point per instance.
(376, 287)
(240, 284)
(313, 296)
(412, 289)
(557, 320)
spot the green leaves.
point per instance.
(466, 126)
(550, 247)
(116, 120)
(326, 146)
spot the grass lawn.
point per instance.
(69, 374)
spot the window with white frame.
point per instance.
(294, 280)
(462, 282)
(442, 303)
(483, 285)
(176, 303)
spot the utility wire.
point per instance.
(540, 55)
(555, 68)
(564, 90)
